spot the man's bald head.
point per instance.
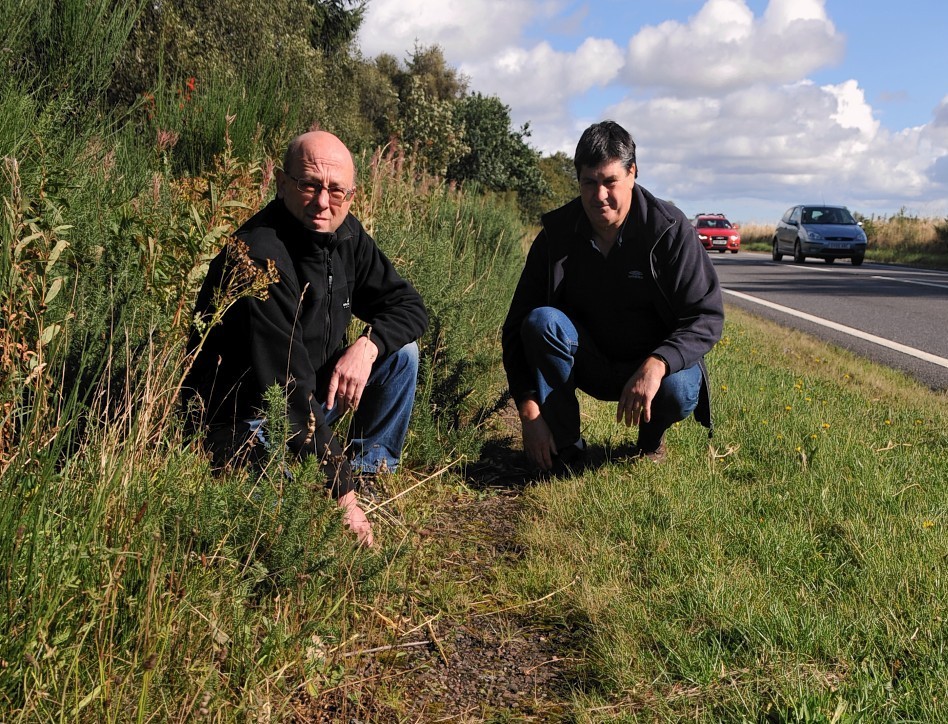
(316, 158)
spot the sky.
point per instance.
(744, 107)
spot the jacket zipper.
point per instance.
(329, 305)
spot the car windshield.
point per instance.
(827, 215)
(715, 223)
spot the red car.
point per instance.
(716, 232)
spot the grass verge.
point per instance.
(790, 570)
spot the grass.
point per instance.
(136, 584)
(790, 570)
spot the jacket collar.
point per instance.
(290, 229)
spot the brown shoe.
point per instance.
(658, 455)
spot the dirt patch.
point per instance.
(492, 665)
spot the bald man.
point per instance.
(329, 269)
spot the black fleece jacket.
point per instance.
(683, 287)
(285, 339)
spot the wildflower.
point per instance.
(888, 422)
(788, 408)
(724, 388)
(846, 376)
(928, 524)
(826, 426)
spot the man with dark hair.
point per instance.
(294, 334)
(617, 298)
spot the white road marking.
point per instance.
(911, 351)
(911, 281)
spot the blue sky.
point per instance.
(740, 106)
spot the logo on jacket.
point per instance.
(345, 304)
(636, 274)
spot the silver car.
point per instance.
(827, 232)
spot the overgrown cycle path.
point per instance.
(492, 664)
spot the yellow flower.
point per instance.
(826, 426)
(724, 387)
(888, 422)
(928, 524)
(788, 408)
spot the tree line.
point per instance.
(274, 68)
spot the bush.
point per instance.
(462, 251)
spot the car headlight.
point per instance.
(814, 236)
(703, 237)
(735, 238)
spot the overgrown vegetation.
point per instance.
(138, 585)
(135, 583)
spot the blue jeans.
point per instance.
(379, 427)
(565, 359)
(377, 430)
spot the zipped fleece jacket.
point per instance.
(325, 279)
(683, 287)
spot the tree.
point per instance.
(559, 178)
(440, 81)
(429, 129)
(335, 23)
(498, 158)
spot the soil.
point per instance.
(496, 666)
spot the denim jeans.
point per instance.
(377, 430)
(379, 427)
(565, 359)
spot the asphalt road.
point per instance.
(893, 315)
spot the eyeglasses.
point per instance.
(337, 194)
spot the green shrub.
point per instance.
(462, 251)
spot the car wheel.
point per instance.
(798, 256)
(734, 251)
(830, 259)
(777, 256)
(857, 260)
(721, 251)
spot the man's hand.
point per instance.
(354, 517)
(635, 403)
(537, 439)
(351, 373)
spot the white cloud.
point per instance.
(723, 47)
(722, 104)
(788, 144)
(542, 80)
(464, 29)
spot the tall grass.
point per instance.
(137, 584)
(463, 253)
